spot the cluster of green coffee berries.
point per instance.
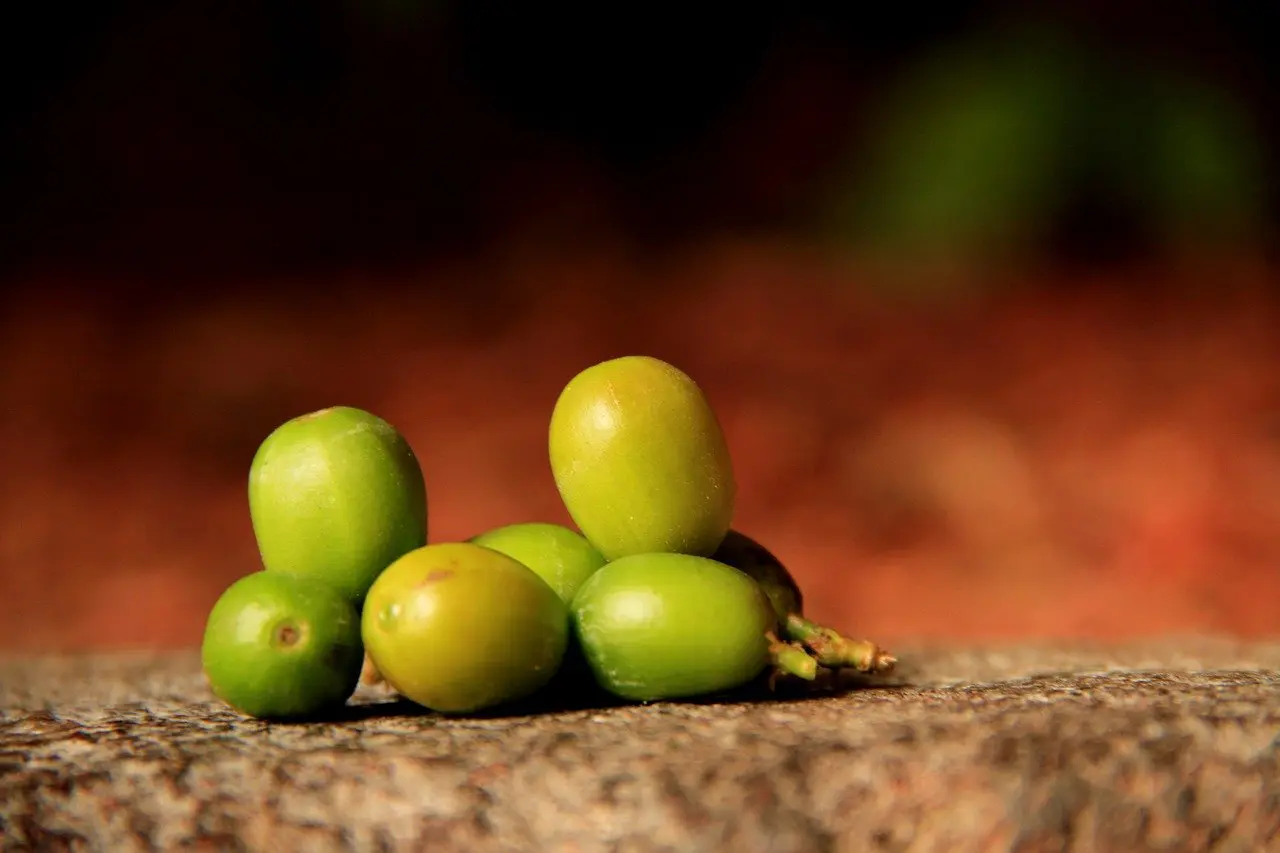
(653, 597)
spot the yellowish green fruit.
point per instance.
(560, 556)
(640, 460)
(459, 628)
(336, 496)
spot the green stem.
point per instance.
(833, 649)
(791, 658)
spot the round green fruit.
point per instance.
(666, 626)
(758, 562)
(458, 628)
(336, 495)
(560, 556)
(640, 460)
(277, 646)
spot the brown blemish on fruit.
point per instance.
(287, 635)
(441, 574)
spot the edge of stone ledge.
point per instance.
(924, 644)
(1162, 651)
(927, 663)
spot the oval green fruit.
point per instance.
(640, 460)
(336, 495)
(666, 626)
(758, 562)
(277, 646)
(458, 628)
(560, 556)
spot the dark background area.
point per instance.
(223, 137)
(985, 297)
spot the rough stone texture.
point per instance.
(1166, 746)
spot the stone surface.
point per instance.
(1162, 746)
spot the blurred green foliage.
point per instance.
(1190, 158)
(989, 145)
(346, 131)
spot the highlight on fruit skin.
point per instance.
(640, 460)
(459, 628)
(336, 495)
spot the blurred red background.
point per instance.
(958, 408)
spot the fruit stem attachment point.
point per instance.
(791, 658)
(833, 649)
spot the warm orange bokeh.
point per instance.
(1086, 460)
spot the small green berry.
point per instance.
(279, 646)
(665, 626)
(560, 556)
